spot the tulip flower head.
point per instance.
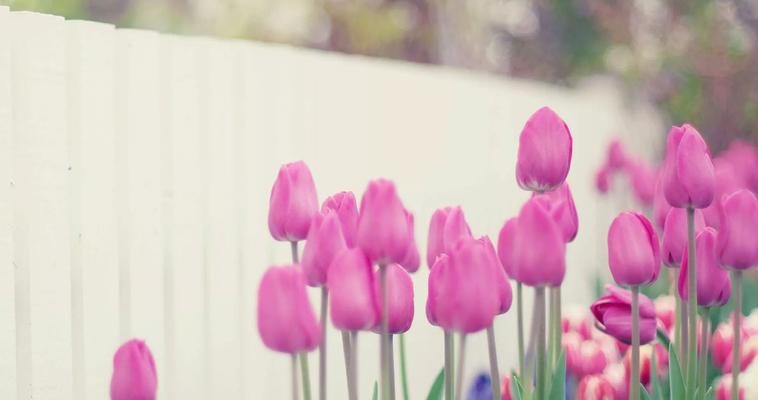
(642, 178)
(505, 246)
(616, 155)
(603, 179)
(286, 321)
(447, 226)
(343, 203)
(293, 203)
(665, 309)
(399, 298)
(354, 306)
(633, 252)
(503, 286)
(728, 181)
(661, 207)
(646, 359)
(674, 243)
(560, 205)
(724, 389)
(544, 152)
(412, 259)
(325, 241)
(437, 271)
(383, 231)
(595, 387)
(134, 376)
(613, 313)
(713, 286)
(688, 174)
(737, 243)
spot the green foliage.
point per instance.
(517, 388)
(655, 382)
(435, 392)
(558, 382)
(375, 396)
(675, 375)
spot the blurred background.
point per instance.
(695, 60)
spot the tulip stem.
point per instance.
(295, 255)
(295, 384)
(448, 365)
(704, 335)
(558, 324)
(550, 328)
(737, 335)
(384, 337)
(678, 317)
(685, 332)
(461, 359)
(403, 369)
(391, 362)
(354, 361)
(322, 347)
(539, 305)
(692, 303)
(306, 373)
(494, 370)
(634, 385)
(530, 356)
(520, 318)
(346, 348)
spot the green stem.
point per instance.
(704, 339)
(494, 370)
(678, 318)
(540, 337)
(448, 365)
(403, 371)
(346, 348)
(520, 318)
(322, 347)
(737, 293)
(551, 328)
(295, 383)
(634, 384)
(558, 323)
(306, 374)
(391, 366)
(692, 303)
(384, 336)
(685, 335)
(461, 359)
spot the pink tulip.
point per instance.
(688, 176)
(570, 344)
(595, 387)
(728, 181)
(576, 321)
(293, 203)
(633, 253)
(505, 246)
(674, 243)
(383, 224)
(447, 227)
(544, 152)
(642, 177)
(721, 345)
(400, 299)
(737, 244)
(616, 155)
(286, 321)
(503, 286)
(661, 207)
(466, 298)
(613, 312)
(603, 179)
(412, 259)
(713, 286)
(134, 376)
(744, 157)
(505, 387)
(351, 291)
(616, 375)
(438, 270)
(325, 241)
(665, 310)
(646, 353)
(538, 251)
(343, 203)
(591, 358)
(724, 389)
(560, 205)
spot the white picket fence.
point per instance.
(136, 167)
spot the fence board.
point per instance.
(7, 314)
(139, 170)
(92, 134)
(219, 80)
(187, 356)
(41, 178)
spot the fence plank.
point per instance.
(41, 178)
(187, 356)
(219, 80)
(92, 134)
(7, 314)
(138, 140)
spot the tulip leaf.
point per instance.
(675, 375)
(558, 382)
(663, 338)
(644, 395)
(376, 391)
(517, 389)
(435, 393)
(655, 381)
(709, 395)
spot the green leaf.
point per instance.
(403, 369)
(675, 375)
(558, 382)
(643, 393)
(376, 391)
(663, 338)
(435, 393)
(709, 395)
(656, 383)
(517, 389)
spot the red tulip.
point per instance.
(724, 389)
(665, 310)
(646, 353)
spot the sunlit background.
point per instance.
(696, 60)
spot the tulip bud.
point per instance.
(633, 253)
(748, 353)
(435, 273)
(713, 286)
(412, 260)
(688, 176)
(674, 246)
(134, 376)
(501, 278)
(293, 203)
(325, 241)
(343, 203)
(724, 389)
(665, 310)
(728, 181)
(661, 207)
(642, 177)
(447, 227)
(737, 244)
(538, 255)
(577, 320)
(721, 345)
(467, 298)
(616, 156)
(646, 359)
(613, 312)
(744, 157)
(560, 205)
(591, 358)
(505, 246)
(286, 321)
(595, 387)
(544, 152)
(383, 224)
(603, 179)
(400, 298)
(351, 292)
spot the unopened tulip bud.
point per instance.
(399, 298)
(713, 286)
(437, 271)
(447, 227)
(538, 253)
(383, 224)
(633, 252)
(412, 259)
(613, 312)
(324, 242)
(351, 292)
(688, 175)
(293, 203)
(560, 205)
(343, 203)
(737, 243)
(544, 152)
(674, 242)
(134, 376)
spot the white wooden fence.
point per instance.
(135, 171)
